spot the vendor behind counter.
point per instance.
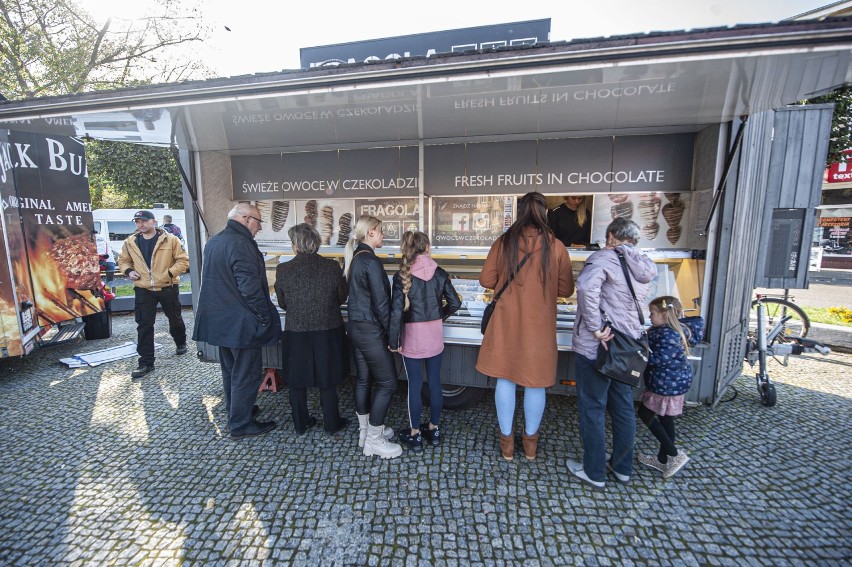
(571, 221)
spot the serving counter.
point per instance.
(677, 270)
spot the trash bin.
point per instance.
(99, 325)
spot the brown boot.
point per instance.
(507, 445)
(530, 445)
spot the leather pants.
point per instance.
(373, 361)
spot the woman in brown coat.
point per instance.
(519, 346)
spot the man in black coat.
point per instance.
(236, 314)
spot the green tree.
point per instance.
(841, 122)
(132, 176)
(54, 47)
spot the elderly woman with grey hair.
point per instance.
(311, 289)
(602, 289)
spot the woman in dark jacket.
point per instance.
(311, 289)
(571, 222)
(369, 324)
(422, 298)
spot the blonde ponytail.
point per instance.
(672, 309)
(362, 226)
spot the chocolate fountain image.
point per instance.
(649, 210)
(673, 213)
(264, 208)
(622, 209)
(326, 222)
(311, 213)
(280, 212)
(651, 230)
(345, 224)
(673, 234)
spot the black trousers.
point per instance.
(146, 313)
(242, 372)
(373, 361)
(328, 402)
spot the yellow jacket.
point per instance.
(168, 261)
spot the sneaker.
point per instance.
(181, 349)
(576, 469)
(433, 436)
(142, 370)
(675, 463)
(622, 478)
(413, 442)
(653, 462)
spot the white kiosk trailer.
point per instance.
(688, 133)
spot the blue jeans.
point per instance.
(414, 369)
(504, 399)
(597, 394)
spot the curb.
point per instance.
(838, 338)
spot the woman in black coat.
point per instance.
(368, 308)
(311, 289)
(571, 222)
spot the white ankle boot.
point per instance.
(377, 444)
(363, 422)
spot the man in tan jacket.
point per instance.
(154, 260)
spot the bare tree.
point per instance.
(54, 47)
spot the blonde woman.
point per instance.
(369, 327)
(571, 222)
(422, 298)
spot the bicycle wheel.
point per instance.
(776, 309)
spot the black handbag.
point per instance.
(625, 358)
(489, 309)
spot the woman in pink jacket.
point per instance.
(423, 297)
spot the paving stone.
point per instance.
(101, 469)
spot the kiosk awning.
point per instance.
(649, 83)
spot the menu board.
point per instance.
(660, 216)
(397, 215)
(333, 219)
(470, 221)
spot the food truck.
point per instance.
(690, 134)
(50, 284)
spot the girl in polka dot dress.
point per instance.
(667, 379)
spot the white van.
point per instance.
(115, 225)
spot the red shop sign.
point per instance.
(840, 172)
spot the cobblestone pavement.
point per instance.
(96, 468)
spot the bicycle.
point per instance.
(778, 329)
(777, 308)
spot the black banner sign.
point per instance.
(576, 165)
(51, 181)
(426, 44)
(381, 172)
